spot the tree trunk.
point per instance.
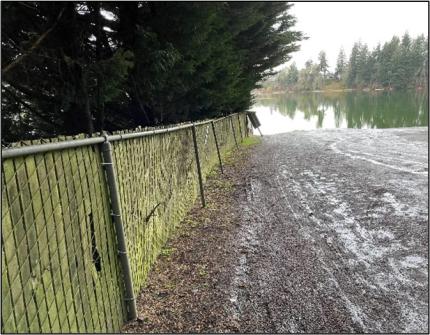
(89, 124)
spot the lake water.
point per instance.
(305, 111)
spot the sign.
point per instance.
(254, 119)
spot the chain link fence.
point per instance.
(60, 266)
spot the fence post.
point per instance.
(217, 147)
(240, 127)
(234, 133)
(119, 229)
(199, 171)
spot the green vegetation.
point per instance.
(251, 141)
(222, 184)
(70, 213)
(166, 252)
(201, 270)
(83, 67)
(397, 64)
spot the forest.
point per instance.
(83, 67)
(401, 63)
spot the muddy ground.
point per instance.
(309, 231)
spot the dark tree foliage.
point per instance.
(399, 63)
(73, 67)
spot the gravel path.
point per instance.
(331, 235)
(337, 239)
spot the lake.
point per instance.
(305, 111)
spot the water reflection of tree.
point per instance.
(337, 111)
(359, 109)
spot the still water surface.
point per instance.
(306, 111)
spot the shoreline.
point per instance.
(342, 90)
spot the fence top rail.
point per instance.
(74, 143)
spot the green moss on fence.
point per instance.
(60, 271)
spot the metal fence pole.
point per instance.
(246, 124)
(217, 147)
(199, 171)
(234, 133)
(119, 229)
(240, 127)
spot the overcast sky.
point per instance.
(331, 25)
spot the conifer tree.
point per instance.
(323, 65)
(340, 65)
(72, 67)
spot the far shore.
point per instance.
(329, 90)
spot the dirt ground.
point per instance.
(309, 231)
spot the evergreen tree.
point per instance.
(340, 65)
(397, 64)
(362, 66)
(405, 63)
(72, 67)
(323, 65)
(374, 66)
(352, 65)
(293, 75)
(419, 61)
(388, 62)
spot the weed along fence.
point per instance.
(83, 219)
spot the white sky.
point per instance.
(331, 25)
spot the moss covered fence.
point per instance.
(60, 264)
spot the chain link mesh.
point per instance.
(60, 270)
(55, 214)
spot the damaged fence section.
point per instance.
(83, 219)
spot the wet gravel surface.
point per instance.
(319, 231)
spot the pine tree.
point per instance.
(419, 61)
(72, 67)
(293, 75)
(340, 65)
(398, 63)
(353, 65)
(363, 66)
(323, 65)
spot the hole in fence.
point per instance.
(96, 256)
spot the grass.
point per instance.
(251, 141)
(166, 252)
(190, 222)
(217, 182)
(222, 184)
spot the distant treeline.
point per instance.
(83, 66)
(400, 63)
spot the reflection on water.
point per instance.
(282, 113)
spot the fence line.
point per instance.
(61, 271)
(73, 143)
